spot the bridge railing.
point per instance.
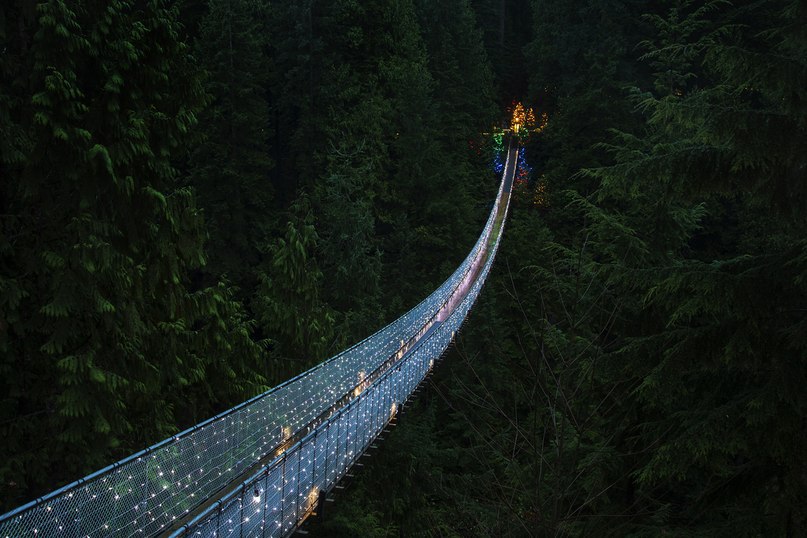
(275, 499)
(147, 492)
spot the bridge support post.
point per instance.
(321, 506)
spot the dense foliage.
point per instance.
(636, 363)
(107, 344)
(200, 199)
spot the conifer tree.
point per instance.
(289, 304)
(299, 55)
(231, 168)
(713, 282)
(104, 340)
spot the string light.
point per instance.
(498, 151)
(152, 489)
(541, 195)
(523, 121)
(521, 190)
(352, 421)
(519, 118)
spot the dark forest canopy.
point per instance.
(200, 199)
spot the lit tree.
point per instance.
(523, 121)
(519, 118)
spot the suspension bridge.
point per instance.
(261, 468)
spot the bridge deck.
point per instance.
(259, 468)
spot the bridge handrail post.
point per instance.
(336, 453)
(283, 494)
(297, 488)
(241, 508)
(313, 463)
(264, 502)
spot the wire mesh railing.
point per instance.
(274, 500)
(148, 492)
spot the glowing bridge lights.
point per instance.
(313, 496)
(292, 442)
(523, 121)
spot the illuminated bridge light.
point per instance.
(291, 443)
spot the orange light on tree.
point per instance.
(542, 124)
(541, 195)
(524, 121)
(519, 118)
(533, 125)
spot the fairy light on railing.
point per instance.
(344, 428)
(147, 492)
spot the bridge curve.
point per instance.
(260, 468)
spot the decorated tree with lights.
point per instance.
(519, 118)
(523, 122)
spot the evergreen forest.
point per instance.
(200, 199)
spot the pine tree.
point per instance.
(299, 56)
(718, 397)
(104, 339)
(231, 168)
(289, 303)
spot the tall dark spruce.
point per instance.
(634, 365)
(720, 398)
(231, 169)
(105, 346)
